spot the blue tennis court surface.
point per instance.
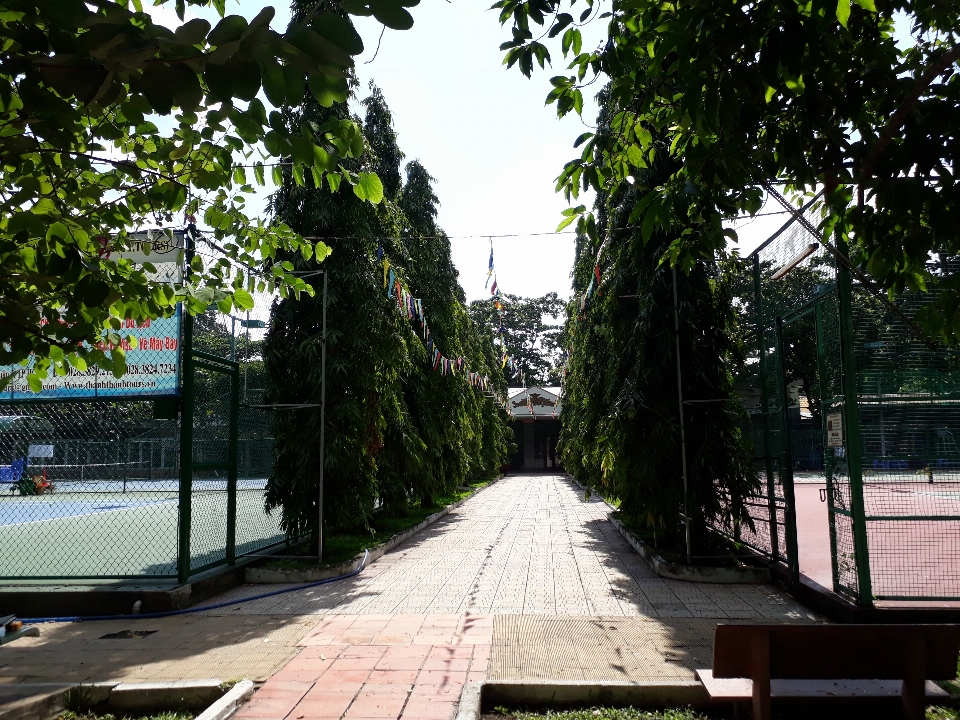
(18, 512)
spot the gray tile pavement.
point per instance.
(527, 545)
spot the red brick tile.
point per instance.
(313, 652)
(334, 677)
(363, 651)
(400, 663)
(441, 677)
(476, 676)
(450, 664)
(324, 688)
(393, 677)
(380, 705)
(425, 709)
(355, 663)
(447, 693)
(321, 706)
(410, 651)
(447, 651)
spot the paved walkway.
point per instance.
(525, 580)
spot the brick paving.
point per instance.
(378, 666)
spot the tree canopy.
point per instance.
(111, 121)
(813, 93)
(527, 331)
(398, 431)
(621, 413)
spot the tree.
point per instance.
(526, 333)
(809, 93)
(621, 424)
(398, 433)
(85, 159)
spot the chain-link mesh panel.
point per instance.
(909, 423)
(87, 490)
(836, 455)
(211, 455)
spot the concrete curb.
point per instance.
(469, 707)
(32, 701)
(688, 573)
(228, 704)
(566, 693)
(260, 575)
(24, 701)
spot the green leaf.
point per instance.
(193, 32)
(867, 5)
(227, 30)
(322, 251)
(340, 31)
(274, 83)
(242, 299)
(295, 84)
(369, 187)
(843, 11)
(328, 90)
(391, 14)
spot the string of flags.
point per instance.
(412, 308)
(506, 361)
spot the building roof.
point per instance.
(545, 402)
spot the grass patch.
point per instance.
(343, 546)
(599, 714)
(89, 715)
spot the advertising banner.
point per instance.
(152, 368)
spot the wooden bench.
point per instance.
(861, 656)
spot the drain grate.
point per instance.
(128, 635)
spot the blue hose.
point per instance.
(189, 611)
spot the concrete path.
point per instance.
(525, 580)
(527, 545)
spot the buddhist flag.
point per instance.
(493, 289)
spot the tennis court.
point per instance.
(126, 528)
(913, 533)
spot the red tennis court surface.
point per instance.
(908, 557)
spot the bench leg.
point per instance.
(760, 671)
(914, 695)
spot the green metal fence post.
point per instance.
(232, 459)
(764, 409)
(851, 416)
(825, 405)
(186, 448)
(323, 412)
(186, 429)
(786, 465)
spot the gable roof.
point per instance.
(545, 402)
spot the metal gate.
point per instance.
(208, 461)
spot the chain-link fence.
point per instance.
(855, 419)
(93, 482)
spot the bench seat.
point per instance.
(741, 689)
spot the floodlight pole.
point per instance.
(323, 423)
(683, 438)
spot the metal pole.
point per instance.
(765, 408)
(786, 465)
(186, 432)
(323, 412)
(851, 421)
(233, 338)
(683, 438)
(232, 456)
